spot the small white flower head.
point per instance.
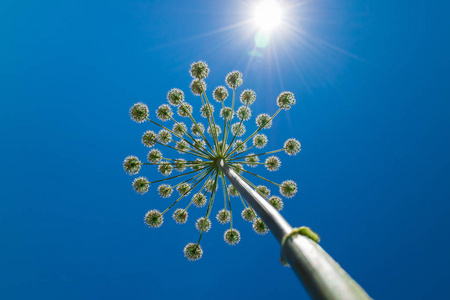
(252, 160)
(207, 110)
(184, 110)
(220, 93)
(226, 113)
(132, 165)
(276, 202)
(198, 87)
(260, 227)
(165, 190)
(197, 129)
(272, 163)
(263, 191)
(248, 97)
(214, 130)
(222, 146)
(154, 156)
(193, 251)
(164, 112)
(199, 70)
(165, 168)
(199, 144)
(139, 112)
(141, 185)
(182, 146)
(197, 166)
(234, 79)
(260, 141)
(232, 236)
(223, 216)
(179, 128)
(203, 224)
(199, 200)
(164, 136)
(175, 97)
(264, 121)
(149, 138)
(248, 214)
(184, 189)
(285, 100)
(153, 218)
(180, 216)
(232, 191)
(244, 113)
(237, 168)
(288, 188)
(180, 165)
(238, 129)
(211, 185)
(292, 146)
(240, 146)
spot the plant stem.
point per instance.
(321, 275)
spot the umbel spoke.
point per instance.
(211, 162)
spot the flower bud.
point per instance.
(244, 113)
(263, 191)
(285, 100)
(234, 79)
(220, 94)
(288, 188)
(153, 218)
(199, 70)
(276, 202)
(175, 97)
(164, 136)
(232, 236)
(248, 97)
(203, 224)
(248, 214)
(260, 227)
(292, 146)
(139, 112)
(223, 216)
(132, 165)
(252, 160)
(180, 216)
(141, 185)
(260, 141)
(165, 168)
(193, 251)
(273, 163)
(264, 121)
(154, 156)
(238, 129)
(180, 165)
(149, 138)
(184, 110)
(164, 112)
(198, 87)
(165, 190)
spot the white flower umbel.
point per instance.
(203, 145)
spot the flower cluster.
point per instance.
(225, 129)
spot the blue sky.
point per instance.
(371, 82)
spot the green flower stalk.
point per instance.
(220, 161)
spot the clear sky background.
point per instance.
(371, 80)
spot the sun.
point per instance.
(267, 15)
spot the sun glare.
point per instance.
(267, 15)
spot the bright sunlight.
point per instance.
(267, 15)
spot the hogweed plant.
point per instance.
(216, 156)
